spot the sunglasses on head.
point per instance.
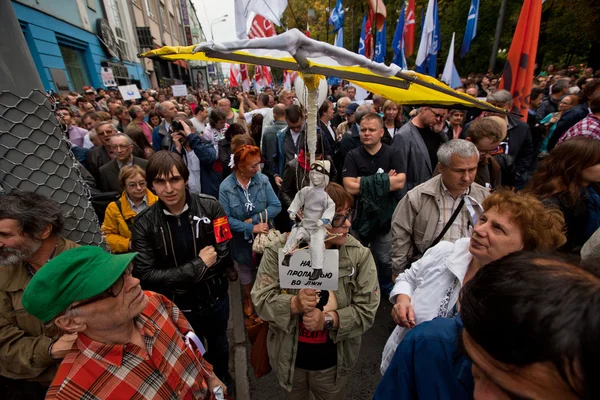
(318, 168)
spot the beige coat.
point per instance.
(416, 218)
(357, 298)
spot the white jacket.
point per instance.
(426, 283)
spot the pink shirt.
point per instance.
(147, 131)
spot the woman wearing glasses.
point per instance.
(120, 213)
(315, 336)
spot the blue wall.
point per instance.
(43, 34)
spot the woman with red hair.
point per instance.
(248, 200)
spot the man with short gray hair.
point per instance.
(446, 207)
(122, 147)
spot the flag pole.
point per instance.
(497, 37)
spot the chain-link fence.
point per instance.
(36, 157)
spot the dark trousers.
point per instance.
(211, 326)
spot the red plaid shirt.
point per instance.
(589, 126)
(167, 369)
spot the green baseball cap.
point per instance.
(74, 275)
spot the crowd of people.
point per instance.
(482, 230)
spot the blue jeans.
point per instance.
(211, 325)
(381, 248)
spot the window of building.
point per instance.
(119, 29)
(173, 27)
(75, 64)
(163, 18)
(137, 3)
(151, 9)
(91, 4)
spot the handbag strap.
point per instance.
(448, 224)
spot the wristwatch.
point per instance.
(328, 322)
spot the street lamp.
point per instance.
(215, 21)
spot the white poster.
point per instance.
(296, 275)
(179, 90)
(130, 92)
(108, 78)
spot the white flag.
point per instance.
(426, 35)
(271, 10)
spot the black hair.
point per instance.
(324, 107)
(234, 130)
(293, 113)
(33, 211)
(199, 108)
(529, 307)
(535, 93)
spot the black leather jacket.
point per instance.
(190, 285)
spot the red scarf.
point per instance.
(303, 161)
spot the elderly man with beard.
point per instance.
(29, 237)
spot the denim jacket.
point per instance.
(237, 207)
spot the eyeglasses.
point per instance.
(133, 185)
(120, 146)
(437, 116)
(112, 291)
(339, 220)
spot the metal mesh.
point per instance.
(36, 157)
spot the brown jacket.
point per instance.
(23, 340)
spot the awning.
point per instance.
(294, 51)
(181, 63)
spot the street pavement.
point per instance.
(365, 374)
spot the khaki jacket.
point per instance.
(23, 340)
(357, 296)
(414, 222)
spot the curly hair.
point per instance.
(561, 171)
(542, 228)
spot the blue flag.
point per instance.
(398, 42)
(339, 42)
(471, 29)
(380, 45)
(361, 40)
(336, 19)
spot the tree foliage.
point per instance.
(569, 29)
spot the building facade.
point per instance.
(71, 41)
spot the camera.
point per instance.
(176, 126)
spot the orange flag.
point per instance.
(518, 71)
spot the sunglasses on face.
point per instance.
(112, 291)
(437, 116)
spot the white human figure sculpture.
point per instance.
(317, 211)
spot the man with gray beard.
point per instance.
(29, 351)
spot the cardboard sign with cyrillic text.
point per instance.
(296, 275)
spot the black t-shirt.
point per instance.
(360, 163)
(183, 237)
(316, 351)
(433, 141)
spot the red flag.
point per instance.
(234, 73)
(380, 12)
(369, 36)
(409, 29)
(261, 27)
(244, 77)
(518, 70)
